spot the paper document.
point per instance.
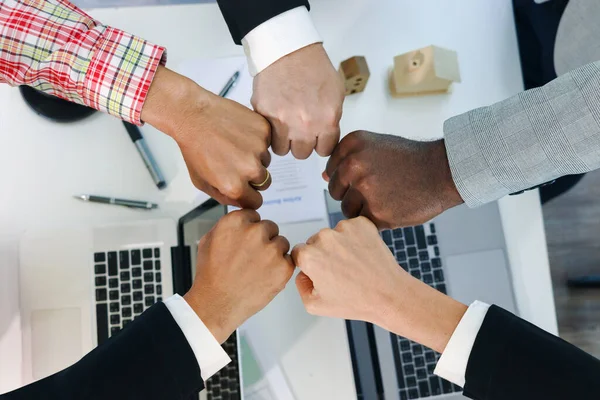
(296, 194)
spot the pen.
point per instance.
(117, 202)
(230, 84)
(140, 143)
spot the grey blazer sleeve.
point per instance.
(528, 139)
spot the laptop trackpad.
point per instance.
(55, 340)
(480, 276)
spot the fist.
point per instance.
(347, 272)
(242, 265)
(391, 180)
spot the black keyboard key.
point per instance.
(428, 279)
(413, 394)
(149, 289)
(423, 256)
(424, 389)
(436, 263)
(147, 265)
(404, 345)
(434, 384)
(114, 330)
(158, 289)
(420, 236)
(124, 259)
(125, 288)
(409, 369)
(102, 323)
(136, 257)
(136, 272)
(137, 295)
(126, 312)
(411, 251)
(399, 244)
(441, 287)
(147, 253)
(411, 382)
(100, 269)
(397, 233)
(426, 267)
(430, 368)
(157, 265)
(149, 301)
(148, 277)
(99, 257)
(403, 394)
(417, 349)
(113, 283)
(137, 284)
(419, 362)
(409, 236)
(457, 388)
(100, 294)
(413, 263)
(114, 307)
(429, 356)
(158, 299)
(416, 273)
(115, 319)
(421, 373)
(126, 300)
(126, 322)
(124, 276)
(438, 275)
(138, 308)
(407, 357)
(112, 263)
(158, 277)
(432, 228)
(100, 281)
(432, 240)
(387, 237)
(447, 386)
(157, 253)
(401, 256)
(436, 251)
(113, 295)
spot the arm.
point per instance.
(174, 346)
(349, 273)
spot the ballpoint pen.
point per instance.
(117, 202)
(140, 143)
(230, 84)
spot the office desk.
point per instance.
(43, 164)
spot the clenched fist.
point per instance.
(242, 265)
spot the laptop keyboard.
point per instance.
(127, 283)
(225, 384)
(416, 250)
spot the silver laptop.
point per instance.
(461, 253)
(81, 286)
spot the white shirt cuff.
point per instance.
(209, 353)
(278, 37)
(452, 365)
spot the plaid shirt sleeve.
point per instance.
(55, 47)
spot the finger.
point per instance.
(327, 142)
(265, 158)
(280, 141)
(340, 152)
(220, 197)
(250, 216)
(250, 198)
(352, 204)
(302, 149)
(305, 287)
(270, 228)
(261, 180)
(282, 244)
(340, 181)
(325, 176)
(296, 251)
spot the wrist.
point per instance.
(171, 99)
(212, 315)
(449, 195)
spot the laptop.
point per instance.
(81, 286)
(461, 253)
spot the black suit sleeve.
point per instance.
(513, 359)
(149, 359)
(244, 15)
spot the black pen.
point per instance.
(140, 143)
(146, 205)
(230, 84)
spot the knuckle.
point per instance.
(232, 190)
(343, 225)
(311, 307)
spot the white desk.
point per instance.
(43, 164)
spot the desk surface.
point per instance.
(44, 163)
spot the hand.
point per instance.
(349, 273)
(224, 144)
(391, 180)
(301, 95)
(242, 265)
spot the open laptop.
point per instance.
(80, 286)
(462, 253)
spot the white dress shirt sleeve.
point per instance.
(209, 353)
(278, 37)
(452, 365)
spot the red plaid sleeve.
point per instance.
(55, 47)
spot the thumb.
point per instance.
(305, 287)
